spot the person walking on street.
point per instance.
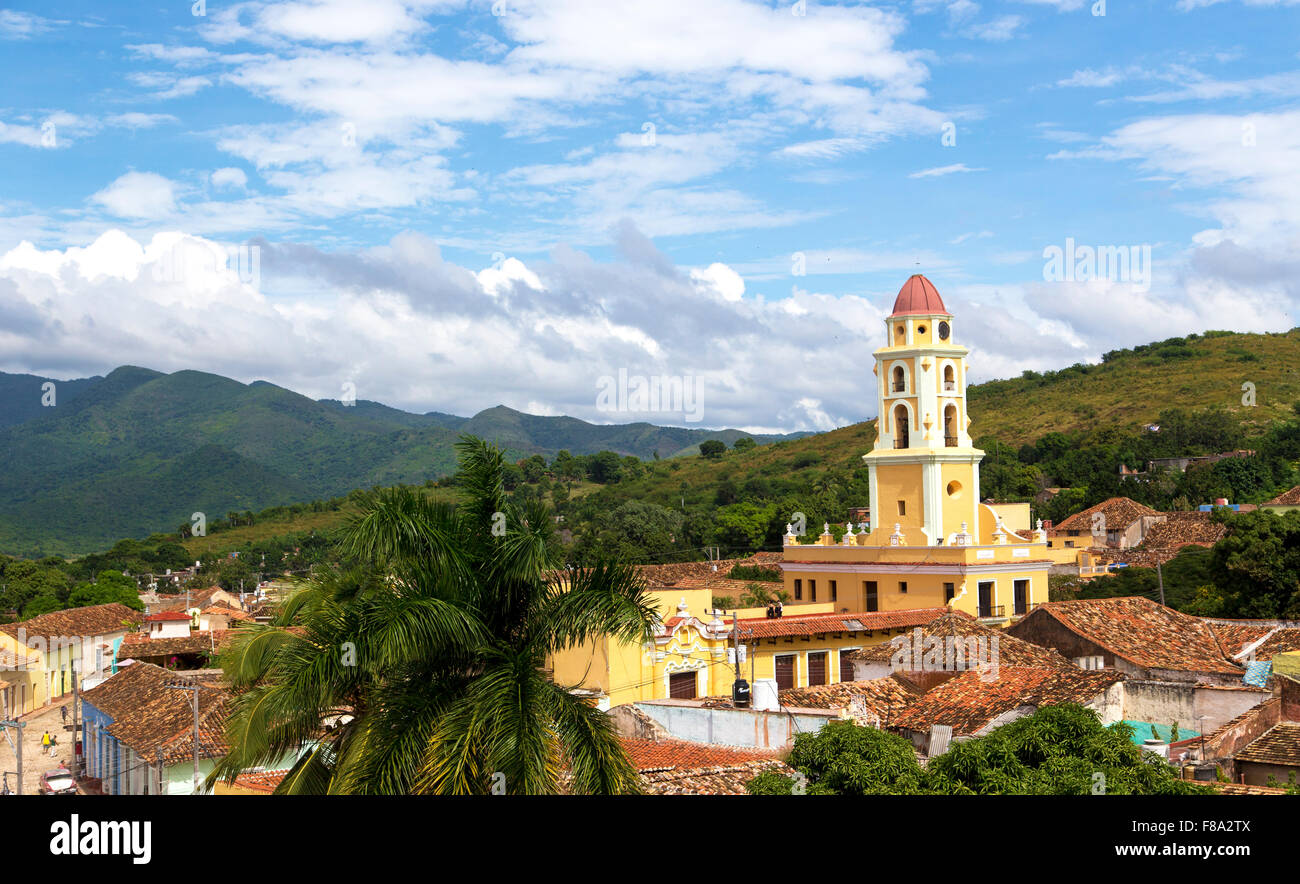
(63, 711)
(46, 744)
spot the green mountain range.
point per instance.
(140, 451)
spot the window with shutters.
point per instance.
(835, 596)
(949, 591)
(798, 590)
(681, 685)
(785, 672)
(812, 590)
(869, 590)
(846, 667)
(817, 668)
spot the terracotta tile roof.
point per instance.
(1183, 529)
(167, 617)
(138, 645)
(1279, 744)
(261, 780)
(969, 703)
(724, 779)
(150, 714)
(224, 609)
(1268, 639)
(1286, 498)
(1120, 512)
(814, 624)
(875, 702)
(87, 621)
(672, 573)
(679, 767)
(1140, 631)
(1012, 651)
(648, 755)
(199, 598)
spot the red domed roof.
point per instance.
(918, 295)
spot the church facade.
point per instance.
(931, 541)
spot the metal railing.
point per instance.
(992, 612)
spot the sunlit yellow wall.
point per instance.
(628, 672)
(895, 482)
(924, 590)
(29, 685)
(1014, 515)
(961, 506)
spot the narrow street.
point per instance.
(35, 761)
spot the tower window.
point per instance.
(902, 507)
(900, 379)
(902, 586)
(920, 329)
(943, 331)
(901, 438)
(950, 426)
(949, 381)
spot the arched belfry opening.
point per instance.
(949, 380)
(950, 426)
(901, 434)
(900, 379)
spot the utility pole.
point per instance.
(1161, 577)
(162, 773)
(76, 696)
(18, 748)
(195, 687)
(196, 739)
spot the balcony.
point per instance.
(992, 612)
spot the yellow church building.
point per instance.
(931, 542)
(934, 548)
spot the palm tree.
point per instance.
(417, 665)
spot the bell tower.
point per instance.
(924, 469)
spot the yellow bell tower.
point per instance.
(924, 469)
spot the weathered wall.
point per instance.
(686, 720)
(1165, 702)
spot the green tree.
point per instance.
(432, 636)
(1257, 565)
(712, 448)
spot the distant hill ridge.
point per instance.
(138, 451)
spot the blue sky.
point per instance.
(458, 204)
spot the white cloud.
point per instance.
(939, 171)
(1089, 78)
(229, 177)
(721, 279)
(138, 195)
(15, 25)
